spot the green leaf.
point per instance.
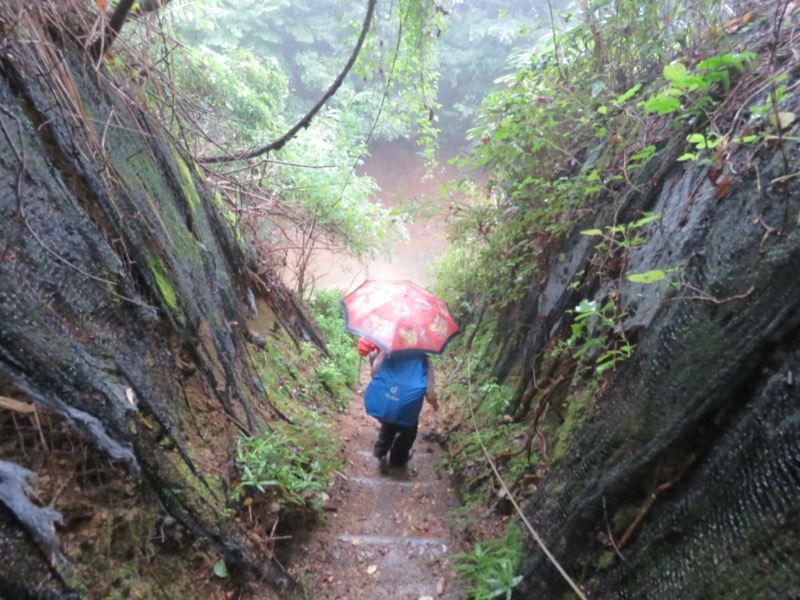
(586, 306)
(726, 60)
(675, 72)
(603, 110)
(591, 232)
(220, 569)
(628, 95)
(643, 221)
(646, 152)
(647, 276)
(662, 104)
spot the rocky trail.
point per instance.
(385, 531)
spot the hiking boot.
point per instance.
(402, 465)
(383, 464)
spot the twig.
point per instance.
(704, 296)
(60, 490)
(555, 41)
(21, 438)
(143, 559)
(611, 535)
(651, 498)
(242, 427)
(16, 405)
(783, 178)
(39, 429)
(510, 497)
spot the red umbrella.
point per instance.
(399, 315)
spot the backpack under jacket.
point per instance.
(396, 391)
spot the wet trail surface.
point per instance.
(385, 531)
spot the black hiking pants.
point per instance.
(396, 441)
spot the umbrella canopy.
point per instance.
(399, 316)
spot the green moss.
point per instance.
(167, 291)
(205, 498)
(577, 412)
(187, 184)
(139, 171)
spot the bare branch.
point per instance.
(147, 6)
(115, 23)
(306, 120)
(117, 19)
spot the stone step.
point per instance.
(389, 540)
(388, 482)
(418, 456)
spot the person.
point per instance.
(400, 383)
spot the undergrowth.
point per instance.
(291, 465)
(490, 568)
(288, 467)
(567, 135)
(339, 370)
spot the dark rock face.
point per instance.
(114, 261)
(678, 476)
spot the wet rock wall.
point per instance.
(675, 473)
(120, 287)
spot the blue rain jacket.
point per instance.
(396, 391)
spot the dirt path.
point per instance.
(385, 533)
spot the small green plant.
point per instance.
(591, 329)
(694, 87)
(774, 98)
(606, 561)
(337, 372)
(490, 568)
(621, 236)
(495, 398)
(272, 463)
(701, 142)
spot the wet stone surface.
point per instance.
(385, 530)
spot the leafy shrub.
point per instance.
(272, 463)
(595, 334)
(490, 568)
(495, 398)
(339, 371)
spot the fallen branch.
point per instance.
(115, 23)
(651, 498)
(16, 405)
(611, 535)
